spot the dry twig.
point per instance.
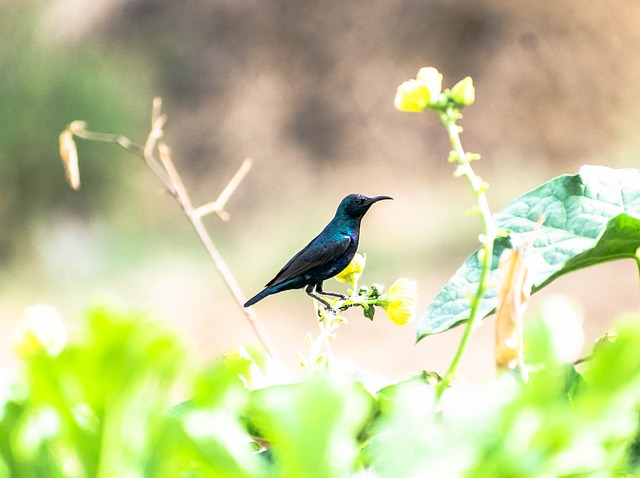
(167, 173)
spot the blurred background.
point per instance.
(306, 89)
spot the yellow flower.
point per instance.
(400, 301)
(432, 79)
(416, 95)
(353, 271)
(463, 92)
(40, 329)
(412, 96)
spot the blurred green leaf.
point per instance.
(554, 333)
(574, 384)
(560, 423)
(589, 218)
(565, 424)
(96, 407)
(99, 409)
(213, 439)
(312, 427)
(406, 431)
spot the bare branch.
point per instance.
(78, 128)
(156, 110)
(196, 221)
(218, 205)
(165, 170)
(180, 191)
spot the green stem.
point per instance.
(320, 352)
(449, 118)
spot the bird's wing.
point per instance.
(314, 255)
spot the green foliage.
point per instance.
(69, 412)
(100, 408)
(312, 426)
(587, 219)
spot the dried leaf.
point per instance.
(69, 155)
(513, 298)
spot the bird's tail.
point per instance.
(259, 296)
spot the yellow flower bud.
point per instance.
(353, 271)
(400, 301)
(40, 329)
(463, 92)
(432, 79)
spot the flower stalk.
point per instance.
(463, 159)
(399, 303)
(320, 351)
(448, 104)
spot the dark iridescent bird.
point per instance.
(327, 255)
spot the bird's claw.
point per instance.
(328, 309)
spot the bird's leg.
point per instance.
(309, 291)
(332, 294)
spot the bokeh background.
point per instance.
(305, 89)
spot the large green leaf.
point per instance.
(589, 218)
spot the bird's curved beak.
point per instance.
(376, 199)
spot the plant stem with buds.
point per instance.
(449, 118)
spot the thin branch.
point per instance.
(218, 205)
(180, 192)
(156, 110)
(78, 128)
(167, 173)
(196, 221)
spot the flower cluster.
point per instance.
(399, 301)
(425, 92)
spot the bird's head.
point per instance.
(356, 205)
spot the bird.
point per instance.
(328, 254)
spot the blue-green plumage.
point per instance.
(325, 256)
